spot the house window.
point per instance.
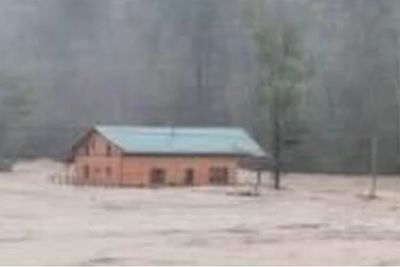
(93, 144)
(86, 172)
(157, 176)
(219, 175)
(189, 177)
(87, 150)
(109, 150)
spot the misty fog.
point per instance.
(69, 64)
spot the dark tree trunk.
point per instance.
(277, 165)
(397, 95)
(277, 150)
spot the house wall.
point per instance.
(136, 169)
(114, 169)
(104, 168)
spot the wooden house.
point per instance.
(148, 156)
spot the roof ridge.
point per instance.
(180, 131)
(170, 128)
(191, 140)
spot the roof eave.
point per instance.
(194, 154)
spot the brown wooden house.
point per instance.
(145, 156)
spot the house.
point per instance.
(146, 156)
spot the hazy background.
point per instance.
(68, 64)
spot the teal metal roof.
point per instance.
(167, 140)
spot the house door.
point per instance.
(86, 172)
(219, 175)
(157, 176)
(189, 177)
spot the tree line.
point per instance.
(311, 80)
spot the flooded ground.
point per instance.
(316, 219)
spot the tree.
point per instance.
(201, 26)
(282, 73)
(14, 109)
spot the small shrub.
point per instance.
(6, 165)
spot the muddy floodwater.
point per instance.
(316, 219)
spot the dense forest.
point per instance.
(318, 77)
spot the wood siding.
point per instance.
(104, 167)
(98, 162)
(136, 169)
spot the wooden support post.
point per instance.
(373, 166)
(258, 183)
